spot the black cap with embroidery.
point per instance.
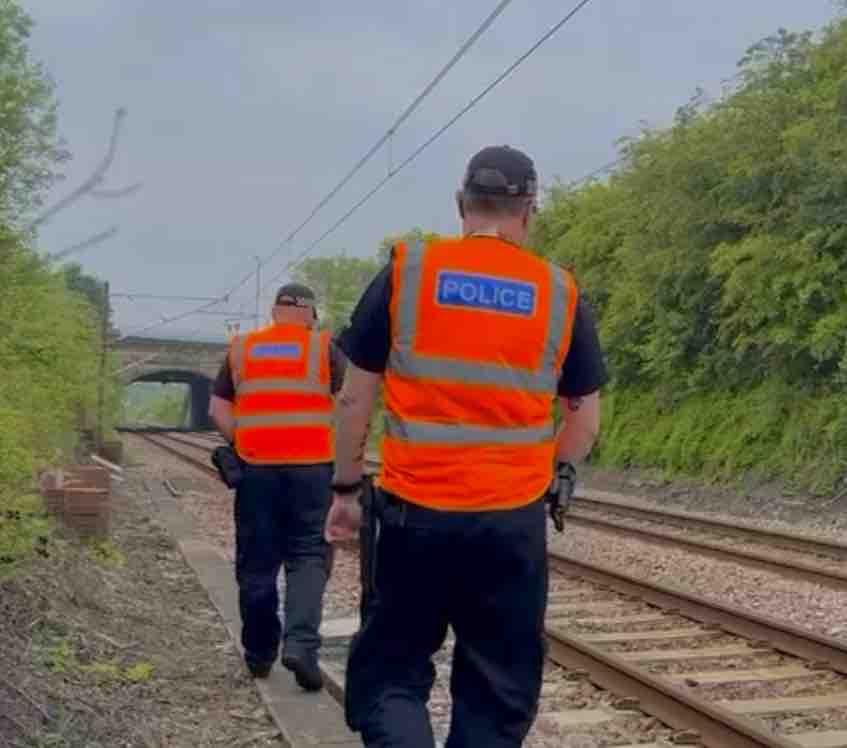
(295, 294)
(501, 170)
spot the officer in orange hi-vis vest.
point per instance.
(273, 400)
(473, 339)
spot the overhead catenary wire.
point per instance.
(369, 154)
(385, 138)
(432, 139)
(170, 320)
(159, 297)
(604, 169)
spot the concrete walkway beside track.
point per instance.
(305, 720)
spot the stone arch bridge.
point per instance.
(193, 363)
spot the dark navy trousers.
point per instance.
(485, 575)
(279, 521)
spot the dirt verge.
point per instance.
(116, 644)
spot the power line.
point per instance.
(386, 138)
(462, 51)
(434, 137)
(604, 169)
(414, 155)
(407, 112)
(161, 297)
(170, 320)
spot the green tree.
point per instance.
(91, 288)
(715, 259)
(384, 253)
(48, 345)
(338, 282)
(29, 149)
(49, 333)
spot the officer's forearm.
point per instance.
(580, 428)
(355, 406)
(220, 411)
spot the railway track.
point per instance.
(808, 558)
(812, 559)
(622, 648)
(631, 661)
(198, 457)
(735, 678)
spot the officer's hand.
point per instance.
(344, 518)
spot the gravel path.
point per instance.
(210, 504)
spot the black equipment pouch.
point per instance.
(560, 492)
(228, 464)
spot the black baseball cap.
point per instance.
(295, 294)
(501, 170)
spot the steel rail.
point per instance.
(795, 567)
(780, 635)
(824, 546)
(163, 444)
(717, 727)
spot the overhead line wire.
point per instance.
(433, 138)
(407, 112)
(386, 137)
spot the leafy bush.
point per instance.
(49, 333)
(715, 258)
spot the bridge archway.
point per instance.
(168, 398)
(182, 370)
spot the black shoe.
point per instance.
(259, 668)
(306, 671)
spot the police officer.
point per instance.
(273, 400)
(473, 339)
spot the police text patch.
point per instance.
(276, 350)
(487, 292)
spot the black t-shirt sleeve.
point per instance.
(584, 370)
(367, 341)
(337, 366)
(224, 387)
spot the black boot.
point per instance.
(258, 668)
(306, 671)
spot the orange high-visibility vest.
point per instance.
(479, 332)
(283, 401)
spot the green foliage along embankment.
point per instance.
(715, 258)
(49, 333)
(49, 346)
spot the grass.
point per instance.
(770, 432)
(24, 529)
(106, 553)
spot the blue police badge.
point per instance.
(486, 293)
(289, 351)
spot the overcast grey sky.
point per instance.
(242, 115)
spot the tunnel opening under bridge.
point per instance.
(169, 399)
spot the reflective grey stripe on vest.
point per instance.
(409, 364)
(313, 373)
(405, 362)
(282, 385)
(422, 432)
(284, 419)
